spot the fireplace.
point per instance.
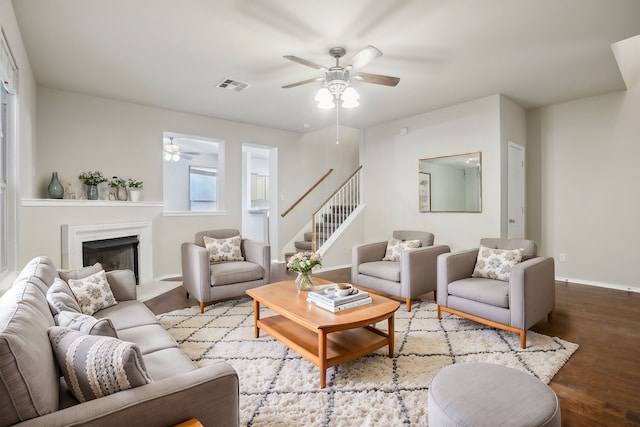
(120, 253)
(74, 238)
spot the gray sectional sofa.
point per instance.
(33, 391)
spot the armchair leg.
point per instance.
(435, 296)
(439, 312)
(408, 301)
(523, 339)
(201, 307)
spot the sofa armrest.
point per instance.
(365, 252)
(196, 274)
(418, 270)
(532, 291)
(454, 266)
(122, 284)
(258, 253)
(209, 394)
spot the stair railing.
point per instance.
(335, 210)
(306, 194)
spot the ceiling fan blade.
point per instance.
(184, 156)
(362, 58)
(304, 82)
(378, 79)
(190, 153)
(305, 62)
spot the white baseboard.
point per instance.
(599, 284)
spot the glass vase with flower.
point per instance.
(302, 263)
(91, 179)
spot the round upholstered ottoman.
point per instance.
(484, 394)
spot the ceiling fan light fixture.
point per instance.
(350, 103)
(323, 95)
(326, 104)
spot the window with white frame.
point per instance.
(3, 178)
(193, 174)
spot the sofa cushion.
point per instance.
(127, 314)
(396, 246)
(381, 269)
(95, 366)
(167, 362)
(80, 273)
(28, 373)
(40, 271)
(86, 324)
(224, 273)
(92, 293)
(486, 291)
(496, 263)
(61, 298)
(148, 338)
(228, 249)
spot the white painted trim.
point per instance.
(87, 203)
(599, 284)
(74, 235)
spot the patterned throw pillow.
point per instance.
(94, 366)
(93, 293)
(86, 324)
(496, 263)
(224, 249)
(396, 246)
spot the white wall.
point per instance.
(391, 172)
(79, 132)
(586, 187)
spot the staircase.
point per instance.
(328, 222)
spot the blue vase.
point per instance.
(55, 189)
(92, 192)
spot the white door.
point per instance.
(516, 192)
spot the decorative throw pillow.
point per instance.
(224, 249)
(496, 263)
(80, 273)
(396, 246)
(95, 366)
(93, 293)
(60, 298)
(86, 324)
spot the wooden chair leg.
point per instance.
(435, 296)
(523, 339)
(201, 307)
(408, 300)
(439, 312)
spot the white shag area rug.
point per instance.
(280, 388)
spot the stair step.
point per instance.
(308, 236)
(303, 245)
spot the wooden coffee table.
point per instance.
(323, 338)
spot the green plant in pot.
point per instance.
(135, 189)
(120, 186)
(91, 179)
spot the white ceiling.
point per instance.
(172, 53)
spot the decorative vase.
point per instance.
(92, 192)
(135, 194)
(55, 189)
(122, 193)
(304, 282)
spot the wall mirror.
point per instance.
(450, 183)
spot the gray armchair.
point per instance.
(412, 276)
(212, 281)
(514, 305)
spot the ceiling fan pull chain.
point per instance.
(337, 122)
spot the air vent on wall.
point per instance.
(234, 85)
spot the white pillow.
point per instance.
(496, 263)
(61, 298)
(396, 246)
(92, 293)
(224, 249)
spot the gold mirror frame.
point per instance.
(450, 183)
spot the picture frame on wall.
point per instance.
(424, 192)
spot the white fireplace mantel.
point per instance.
(73, 236)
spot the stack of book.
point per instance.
(331, 301)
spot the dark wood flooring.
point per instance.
(600, 384)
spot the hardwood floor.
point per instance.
(600, 384)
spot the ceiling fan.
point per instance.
(337, 79)
(172, 152)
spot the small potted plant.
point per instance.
(135, 189)
(91, 179)
(120, 186)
